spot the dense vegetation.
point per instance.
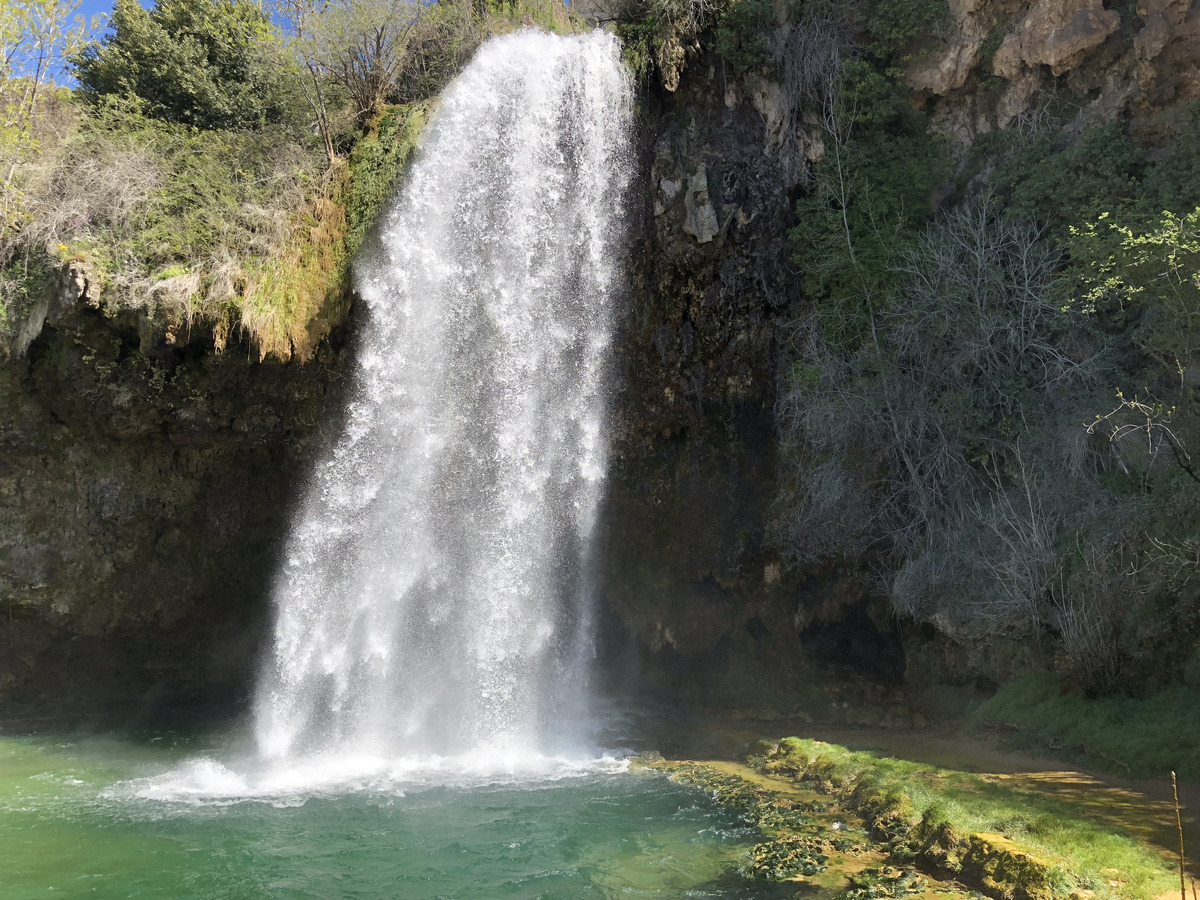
(219, 159)
(988, 402)
(990, 408)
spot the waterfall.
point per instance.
(433, 597)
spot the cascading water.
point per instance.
(433, 595)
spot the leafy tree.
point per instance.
(1154, 273)
(894, 24)
(1060, 183)
(207, 63)
(299, 16)
(740, 37)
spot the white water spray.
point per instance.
(433, 598)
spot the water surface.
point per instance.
(154, 819)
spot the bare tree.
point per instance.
(36, 38)
(361, 46)
(1023, 565)
(809, 56)
(447, 34)
(900, 432)
(298, 17)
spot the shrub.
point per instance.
(207, 63)
(894, 24)
(872, 193)
(740, 37)
(1045, 178)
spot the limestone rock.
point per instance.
(1161, 18)
(1055, 33)
(1167, 47)
(701, 222)
(163, 315)
(769, 101)
(671, 58)
(74, 282)
(1016, 97)
(939, 73)
(947, 72)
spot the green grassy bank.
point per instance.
(1146, 737)
(951, 821)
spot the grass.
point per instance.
(242, 226)
(1144, 738)
(296, 297)
(242, 232)
(911, 801)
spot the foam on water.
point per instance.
(206, 781)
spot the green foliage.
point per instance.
(957, 373)
(647, 27)
(886, 881)
(1062, 184)
(740, 37)
(640, 41)
(1148, 276)
(447, 33)
(36, 37)
(198, 194)
(873, 193)
(1173, 181)
(787, 759)
(207, 63)
(183, 185)
(22, 281)
(894, 24)
(549, 15)
(301, 293)
(1148, 737)
(786, 858)
(375, 167)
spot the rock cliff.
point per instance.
(147, 479)
(697, 595)
(146, 483)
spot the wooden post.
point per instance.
(1179, 828)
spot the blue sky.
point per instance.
(91, 7)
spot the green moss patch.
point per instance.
(1002, 840)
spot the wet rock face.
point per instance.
(697, 601)
(144, 500)
(693, 468)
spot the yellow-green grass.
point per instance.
(1141, 737)
(1081, 851)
